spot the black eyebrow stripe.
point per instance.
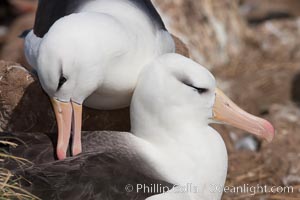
(200, 90)
(192, 86)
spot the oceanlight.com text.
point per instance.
(191, 188)
(253, 189)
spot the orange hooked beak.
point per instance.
(225, 111)
(69, 119)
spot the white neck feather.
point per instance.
(172, 122)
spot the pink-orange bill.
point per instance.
(69, 118)
(226, 111)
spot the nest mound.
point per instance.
(262, 76)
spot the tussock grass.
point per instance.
(10, 187)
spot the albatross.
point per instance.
(91, 52)
(170, 144)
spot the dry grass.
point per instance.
(10, 187)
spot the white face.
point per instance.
(67, 83)
(179, 87)
(175, 92)
(195, 89)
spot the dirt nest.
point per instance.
(262, 79)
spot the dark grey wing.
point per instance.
(103, 171)
(148, 8)
(24, 33)
(49, 11)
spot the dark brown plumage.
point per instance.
(102, 172)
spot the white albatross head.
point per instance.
(67, 84)
(178, 92)
(67, 89)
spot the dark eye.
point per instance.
(62, 81)
(202, 90)
(199, 90)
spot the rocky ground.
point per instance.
(263, 78)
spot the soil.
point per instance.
(263, 78)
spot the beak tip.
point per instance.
(77, 151)
(269, 132)
(61, 155)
